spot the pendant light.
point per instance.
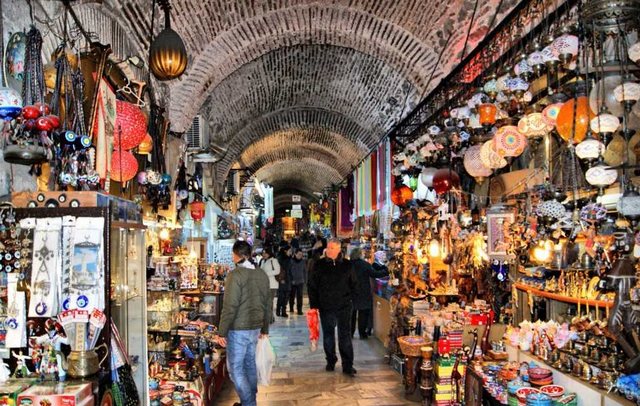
(167, 54)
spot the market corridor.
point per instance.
(300, 379)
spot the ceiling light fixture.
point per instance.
(167, 54)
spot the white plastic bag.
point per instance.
(265, 360)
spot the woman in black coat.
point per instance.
(363, 299)
(284, 280)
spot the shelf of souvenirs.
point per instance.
(562, 297)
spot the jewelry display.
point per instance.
(46, 267)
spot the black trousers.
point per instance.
(283, 296)
(362, 315)
(341, 318)
(296, 294)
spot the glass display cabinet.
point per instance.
(129, 297)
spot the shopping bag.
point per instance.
(265, 360)
(314, 328)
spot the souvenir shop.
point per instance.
(507, 203)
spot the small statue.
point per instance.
(52, 361)
(22, 371)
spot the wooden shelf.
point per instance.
(561, 298)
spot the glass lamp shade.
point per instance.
(548, 56)
(401, 195)
(490, 158)
(601, 176)
(522, 68)
(491, 87)
(426, 177)
(589, 149)
(518, 85)
(444, 180)
(604, 123)
(627, 92)
(602, 95)
(565, 46)
(10, 103)
(535, 58)
(473, 164)
(508, 141)
(168, 55)
(476, 100)
(502, 83)
(550, 114)
(534, 125)
(634, 52)
(146, 146)
(573, 119)
(487, 113)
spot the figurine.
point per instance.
(53, 360)
(22, 371)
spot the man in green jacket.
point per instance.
(246, 314)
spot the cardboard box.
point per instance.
(56, 394)
(10, 390)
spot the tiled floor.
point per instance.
(300, 379)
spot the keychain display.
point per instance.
(47, 267)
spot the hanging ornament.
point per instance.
(197, 210)
(124, 166)
(601, 175)
(487, 114)
(15, 60)
(490, 158)
(444, 180)
(550, 114)
(567, 117)
(508, 141)
(130, 126)
(589, 149)
(565, 47)
(413, 183)
(534, 125)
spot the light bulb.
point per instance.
(434, 248)
(542, 252)
(164, 234)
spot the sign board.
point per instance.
(296, 214)
(296, 207)
(295, 198)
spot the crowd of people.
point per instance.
(338, 285)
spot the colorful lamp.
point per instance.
(124, 166)
(444, 180)
(130, 126)
(508, 141)
(473, 164)
(575, 111)
(487, 114)
(197, 210)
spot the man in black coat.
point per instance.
(331, 287)
(363, 299)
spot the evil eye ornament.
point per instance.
(41, 308)
(11, 323)
(82, 301)
(500, 268)
(66, 303)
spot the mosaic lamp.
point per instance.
(167, 54)
(487, 113)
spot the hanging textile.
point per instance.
(384, 174)
(344, 209)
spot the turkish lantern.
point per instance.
(130, 126)
(197, 210)
(124, 166)
(578, 111)
(146, 145)
(167, 54)
(401, 195)
(487, 113)
(444, 180)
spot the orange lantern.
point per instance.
(130, 126)
(566, 119)
(146, 145)
(487, 113)
(124, 166)
(401, 195)
(197, 210)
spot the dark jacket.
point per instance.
(298, 271)
(247, 301)
(285, 272)
(364, 271)
(332, 284)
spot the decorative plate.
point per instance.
(522, 393)
(553, 390)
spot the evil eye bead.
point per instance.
(82, 301)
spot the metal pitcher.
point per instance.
(82, 364)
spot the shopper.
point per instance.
(246, 313)
(317, 252)
(284, 280)
(380, 266)
(271, 267)
(363, 299)
(298, 279)
(331, 287)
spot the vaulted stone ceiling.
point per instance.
(298, 91)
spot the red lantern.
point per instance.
(124, 166)
(401, 195)
(197, 210)
(130, 127)
(444, 180)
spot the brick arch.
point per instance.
(312, 123)
(308, 175)
(297, 144)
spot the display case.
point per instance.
(129, 297)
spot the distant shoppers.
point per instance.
(284, 281)
(271, 267)
(246, 313)
(363, 299)
(298, 279)
(331, 287)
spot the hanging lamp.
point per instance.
(167, 54)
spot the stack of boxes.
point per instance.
(444, 389)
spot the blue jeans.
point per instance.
(241, 363)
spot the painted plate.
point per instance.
(14, 60)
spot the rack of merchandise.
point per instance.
(184, 305)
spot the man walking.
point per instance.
(331, 287)
(298, 277)
(246, 314)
